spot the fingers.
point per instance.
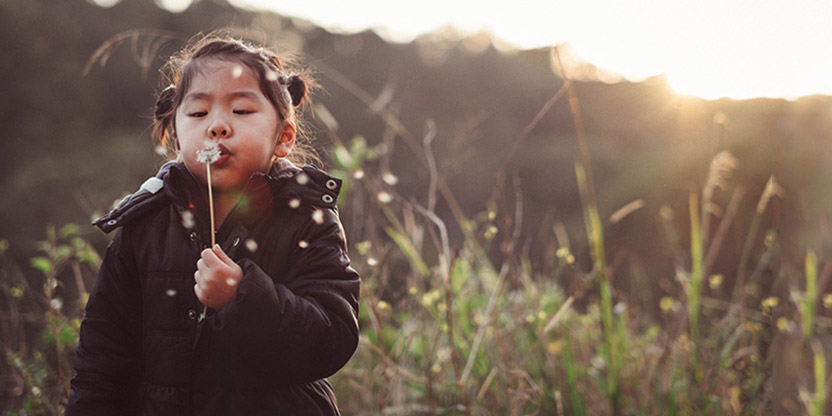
(221, 254)
(216, 277)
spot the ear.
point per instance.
(285, 139)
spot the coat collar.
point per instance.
(285, 185)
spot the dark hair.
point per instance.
(284, 88)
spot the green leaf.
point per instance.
(68, 230)
(62, 252)
(43, 264)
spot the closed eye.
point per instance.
(243, 112)
(198, 114)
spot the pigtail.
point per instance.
(297, 89)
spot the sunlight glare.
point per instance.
(709, 48)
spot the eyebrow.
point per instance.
(232, 95)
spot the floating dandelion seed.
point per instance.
(237, 72)
(359, 174)
(294, 203)
(303, 244)
(231, 282)
(171, 292)
(188, 219)
(372, 262)
(271, 76)
(302, 179)
(251, 245)
(161, 150)
(390, 179)
(318, 217)
(384, 197)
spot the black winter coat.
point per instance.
(146, 349)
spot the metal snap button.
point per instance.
(327, 198)
(331, 184)
(236, 242)
(191, 314)
(112, 222)
(192, 235)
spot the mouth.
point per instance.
(225, 154)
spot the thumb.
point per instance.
(221, 254)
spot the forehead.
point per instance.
(219, 77)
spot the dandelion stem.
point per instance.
(211, 212)
(211, 205)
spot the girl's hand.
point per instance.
(217, 277)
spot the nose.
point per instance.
(219, 129)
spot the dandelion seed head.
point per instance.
(715, 281)
(667, 304)
(251, 245)
(554, 347)
(390, 179)
(384, 197)
(294, 203)
(302, 178)
(188, 219)
(827, 301)
(56, 304)
(783, 324)
(318, 217)
(208, 154)
(363, 247)
(769, 303)
(36, 391)
(619, 308)
(17, 291)
(303, 244)
(372, 261)
(171, 292)
(490, 232)
(358, 174)
(237, 72)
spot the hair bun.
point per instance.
(297, 89)
(164, 103)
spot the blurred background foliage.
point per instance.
(489, 223)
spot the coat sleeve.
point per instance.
(306, 328)
(107, 360)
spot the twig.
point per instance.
(555, 319)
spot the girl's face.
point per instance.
(225, 106)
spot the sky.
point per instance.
(708, 48)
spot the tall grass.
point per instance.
(473, 325)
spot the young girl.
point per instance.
(280, 294)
